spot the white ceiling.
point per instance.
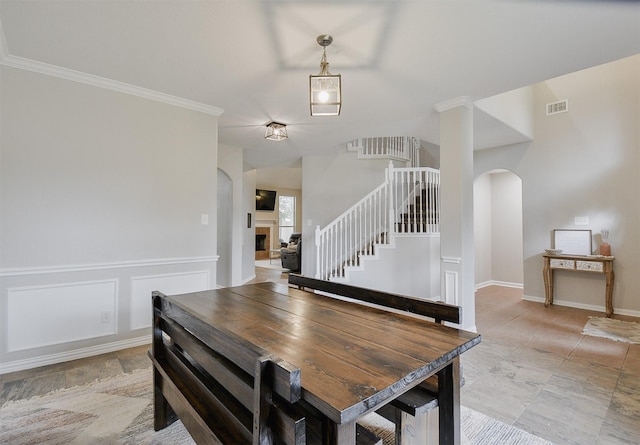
(252, 58)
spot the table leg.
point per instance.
(449, 403)
(609, 296)
(547, 274)
(338, 434)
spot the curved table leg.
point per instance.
(609, 296)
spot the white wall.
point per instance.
(101, 201)
(482, 235)
(230, 161)
(582, 163)
(514, 108)
(411, 267)
(331, 185)
(506, 237)
(248, 233)
(498, 229)
(224, 234)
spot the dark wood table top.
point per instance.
(353, 358)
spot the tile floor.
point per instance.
(534, 369)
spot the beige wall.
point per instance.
(584, 163)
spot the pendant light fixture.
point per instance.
(325, 90)
(276, 132)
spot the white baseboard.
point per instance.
(51, 359)
(246, 280)
(499, 283)
(587, 307)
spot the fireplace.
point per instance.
(260, 242)
(263, 242)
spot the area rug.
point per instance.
(625, 331)
(118, 411)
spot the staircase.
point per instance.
(395, 148)
(407, 203)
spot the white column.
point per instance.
(456, 211)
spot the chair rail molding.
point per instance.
(20, 271)
(451, 260)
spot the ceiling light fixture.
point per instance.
(325, 90)
(276, 132)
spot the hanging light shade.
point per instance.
(276, 131)
(325, 89)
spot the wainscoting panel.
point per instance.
(168, 284)
(451, 294)
(48, 315)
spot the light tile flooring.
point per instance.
(534, 369)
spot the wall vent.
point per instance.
(561, 106)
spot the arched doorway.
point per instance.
(224, 229)
(498, 229)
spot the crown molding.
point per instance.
(462, 101)
(100, 82)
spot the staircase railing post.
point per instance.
(318, 247)
(390, 180)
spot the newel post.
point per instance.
(317, 236)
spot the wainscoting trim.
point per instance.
(14, 272)
(451, 260)
(169, 284)
(40, 316)
(51, 359)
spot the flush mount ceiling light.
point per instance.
(276, 131)
(325, 92)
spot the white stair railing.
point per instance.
(417, 190)
(401, 148)
(408, 202)
(353, 233)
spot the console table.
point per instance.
(594, 264)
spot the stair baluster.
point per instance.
(407, 203)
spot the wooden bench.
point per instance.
(413, 412)
(222, 389)
(225, 390)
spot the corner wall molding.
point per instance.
(12, 272)
(102, 82)
(462, 101)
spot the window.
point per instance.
(287, 220)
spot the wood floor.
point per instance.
(534, 369)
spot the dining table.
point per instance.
(354, 358)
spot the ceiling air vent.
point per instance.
(561, 106)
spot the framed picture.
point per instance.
(572, 242)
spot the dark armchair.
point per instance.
(292, 254)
